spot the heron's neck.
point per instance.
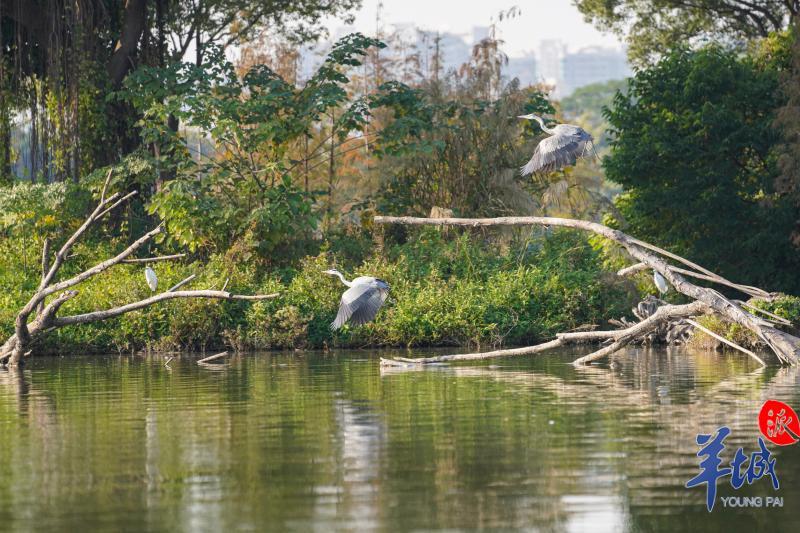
(542, 125)
(341, 277)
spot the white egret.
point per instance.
(361, 301)
(661, 283)
(152, 279)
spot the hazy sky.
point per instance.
(540, 19)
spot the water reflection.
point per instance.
(321, 442)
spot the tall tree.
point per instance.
(652, 26)
(788, 121)
(693, 148)
(62, 58)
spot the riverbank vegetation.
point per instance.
(265, 175)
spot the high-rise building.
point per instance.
(523, 68)
(479, 33)
(593, 65)
(551, 52)
(454, 50)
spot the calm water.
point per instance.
(323, 442)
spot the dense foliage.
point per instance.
(266, 173)
(242, 195)
(446, 290)
(653, 27)
(693, 148)
(61, 60)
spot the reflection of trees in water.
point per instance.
(37, 435)
(355, 500)
(635, 447)
(308, 441)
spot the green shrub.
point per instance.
(445, 290)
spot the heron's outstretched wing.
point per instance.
(359, 305)
(553, 153)
(369, 308)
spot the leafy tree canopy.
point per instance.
(693, 148)
(241, 195)
(652, 26)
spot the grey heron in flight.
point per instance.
(361, 301)
(661, 283)
(150, 276)
(564, 146)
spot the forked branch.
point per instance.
(45, 314)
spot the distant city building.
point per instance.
(551, 53)
(453, 49)
(593, 65)
(479, 33)
(552, 64)
(523, 68)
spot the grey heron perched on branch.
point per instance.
(361, 301)
(564, 146)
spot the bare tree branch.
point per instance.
(621, 338)
(181, 283)
(45, 266)
(14, 348)
(153, 259)
(633, 269)
(786, 347)
(726, 341)
(747, 289)
(105, 185)
(212, 358)
(121, 310)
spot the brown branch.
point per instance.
(786, 347)
(121, 62)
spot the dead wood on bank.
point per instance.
(784, 346)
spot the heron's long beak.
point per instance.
(528, 117)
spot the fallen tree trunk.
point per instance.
(618, 338)
(785, 347)
(44, 313)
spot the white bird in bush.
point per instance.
(361, 302)
(152, 279)
(661, 283)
